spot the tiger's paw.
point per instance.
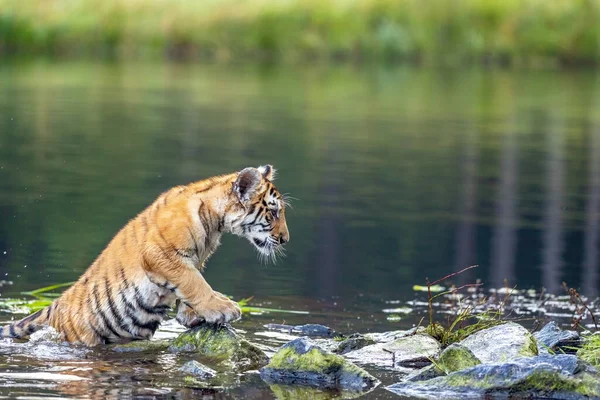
(219, 309)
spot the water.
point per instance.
(399, 174)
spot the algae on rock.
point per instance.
(220, 344)
(456, 357)
(302, 361)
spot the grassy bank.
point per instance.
(429, 31)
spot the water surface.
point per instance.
(399, 174)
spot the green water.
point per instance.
(398, 174)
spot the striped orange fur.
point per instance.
(156, 261)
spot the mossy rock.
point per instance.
(220, 344)
(456, 358)
(501, 343)
(302, 361)
(140, 346)
(541, 376)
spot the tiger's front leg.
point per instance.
(193, 291)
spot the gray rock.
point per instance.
(501, 343)
(423, 374)
(551, 337)
(220, 344)
(353, 342)
(541, 376)
(302, 362)
(312, 330)
(414, 351)
(198, 370)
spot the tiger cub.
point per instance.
(156, 260)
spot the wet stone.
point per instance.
(501, 343)
(552, 338)
(414, 351)
(220, 344)
(542, 376)
(311, 330)
(198, 370)
(353, 342)
(303, 362)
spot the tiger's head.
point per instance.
(262, 211)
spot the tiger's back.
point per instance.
(157, 259)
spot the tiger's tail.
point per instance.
(25, 327)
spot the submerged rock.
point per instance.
(139, 346)
(221, 344)
(312, 330)
(456, 357)
(302, 362)
(552, 338)
(542, 376)
(198, 370)
(501, 343)
(296, 392)
(414, 351)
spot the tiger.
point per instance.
(155, 262)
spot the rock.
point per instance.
(312, 330)
(353, 342)
(501, 343)
(197, 370)
(414, 351)
(541, 376)
(551, 337)
(423, 374)
(302, 362)
(139, 346)
(220, 344)
(456, 357)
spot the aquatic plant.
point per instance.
(464, 321)
(436, 31)
(590, 351)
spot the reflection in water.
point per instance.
(592, 218)
(505, 231)
(554, 199)
(465, 237)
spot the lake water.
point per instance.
(399, 174)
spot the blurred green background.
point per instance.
(519, 32)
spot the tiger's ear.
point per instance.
(248, 180)
(267, 171)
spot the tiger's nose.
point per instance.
(283, 239)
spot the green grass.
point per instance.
(428, 31)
